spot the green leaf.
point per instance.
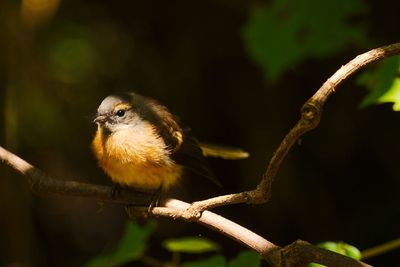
(215, 261)
(341, 248)
(246, 259)
(284, 33)
(383, 84)
(190, 245)
(131, 247)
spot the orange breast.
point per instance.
(136, 158)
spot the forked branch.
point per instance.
(311, 113)
(296, 254)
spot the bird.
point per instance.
(140, 144)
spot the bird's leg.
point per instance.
(155, 198)
(134, 211)
(115, 191)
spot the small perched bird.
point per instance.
(139, 144)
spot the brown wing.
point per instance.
(185, 148)
(164, 121)
(191, 156)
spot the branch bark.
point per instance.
(299, 253)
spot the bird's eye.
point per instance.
(120, 113)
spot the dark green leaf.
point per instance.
(281, 35)
(131, 247)
(246, 259)
(216, 261)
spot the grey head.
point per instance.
(117, 111)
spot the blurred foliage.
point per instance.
(284, 33)
(131, 247)
(37, 12)
(214, 261)
(73, 57)
(135, 239)
(243, 259)
(246, 259)
(190, 245)
(383, 83)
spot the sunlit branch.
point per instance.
(297, 254)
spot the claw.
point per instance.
(155, 198)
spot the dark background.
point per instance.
(58, 62)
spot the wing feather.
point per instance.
(185, 150)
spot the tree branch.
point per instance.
(311, 113)
(299, 253)
(41, 184)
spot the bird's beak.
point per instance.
(100, 119)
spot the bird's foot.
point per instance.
(115, 191)
(135, 211)
(155, 199)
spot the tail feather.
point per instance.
(225, 152)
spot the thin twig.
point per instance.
(299, 253)
(310, 117)
(380, 249)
